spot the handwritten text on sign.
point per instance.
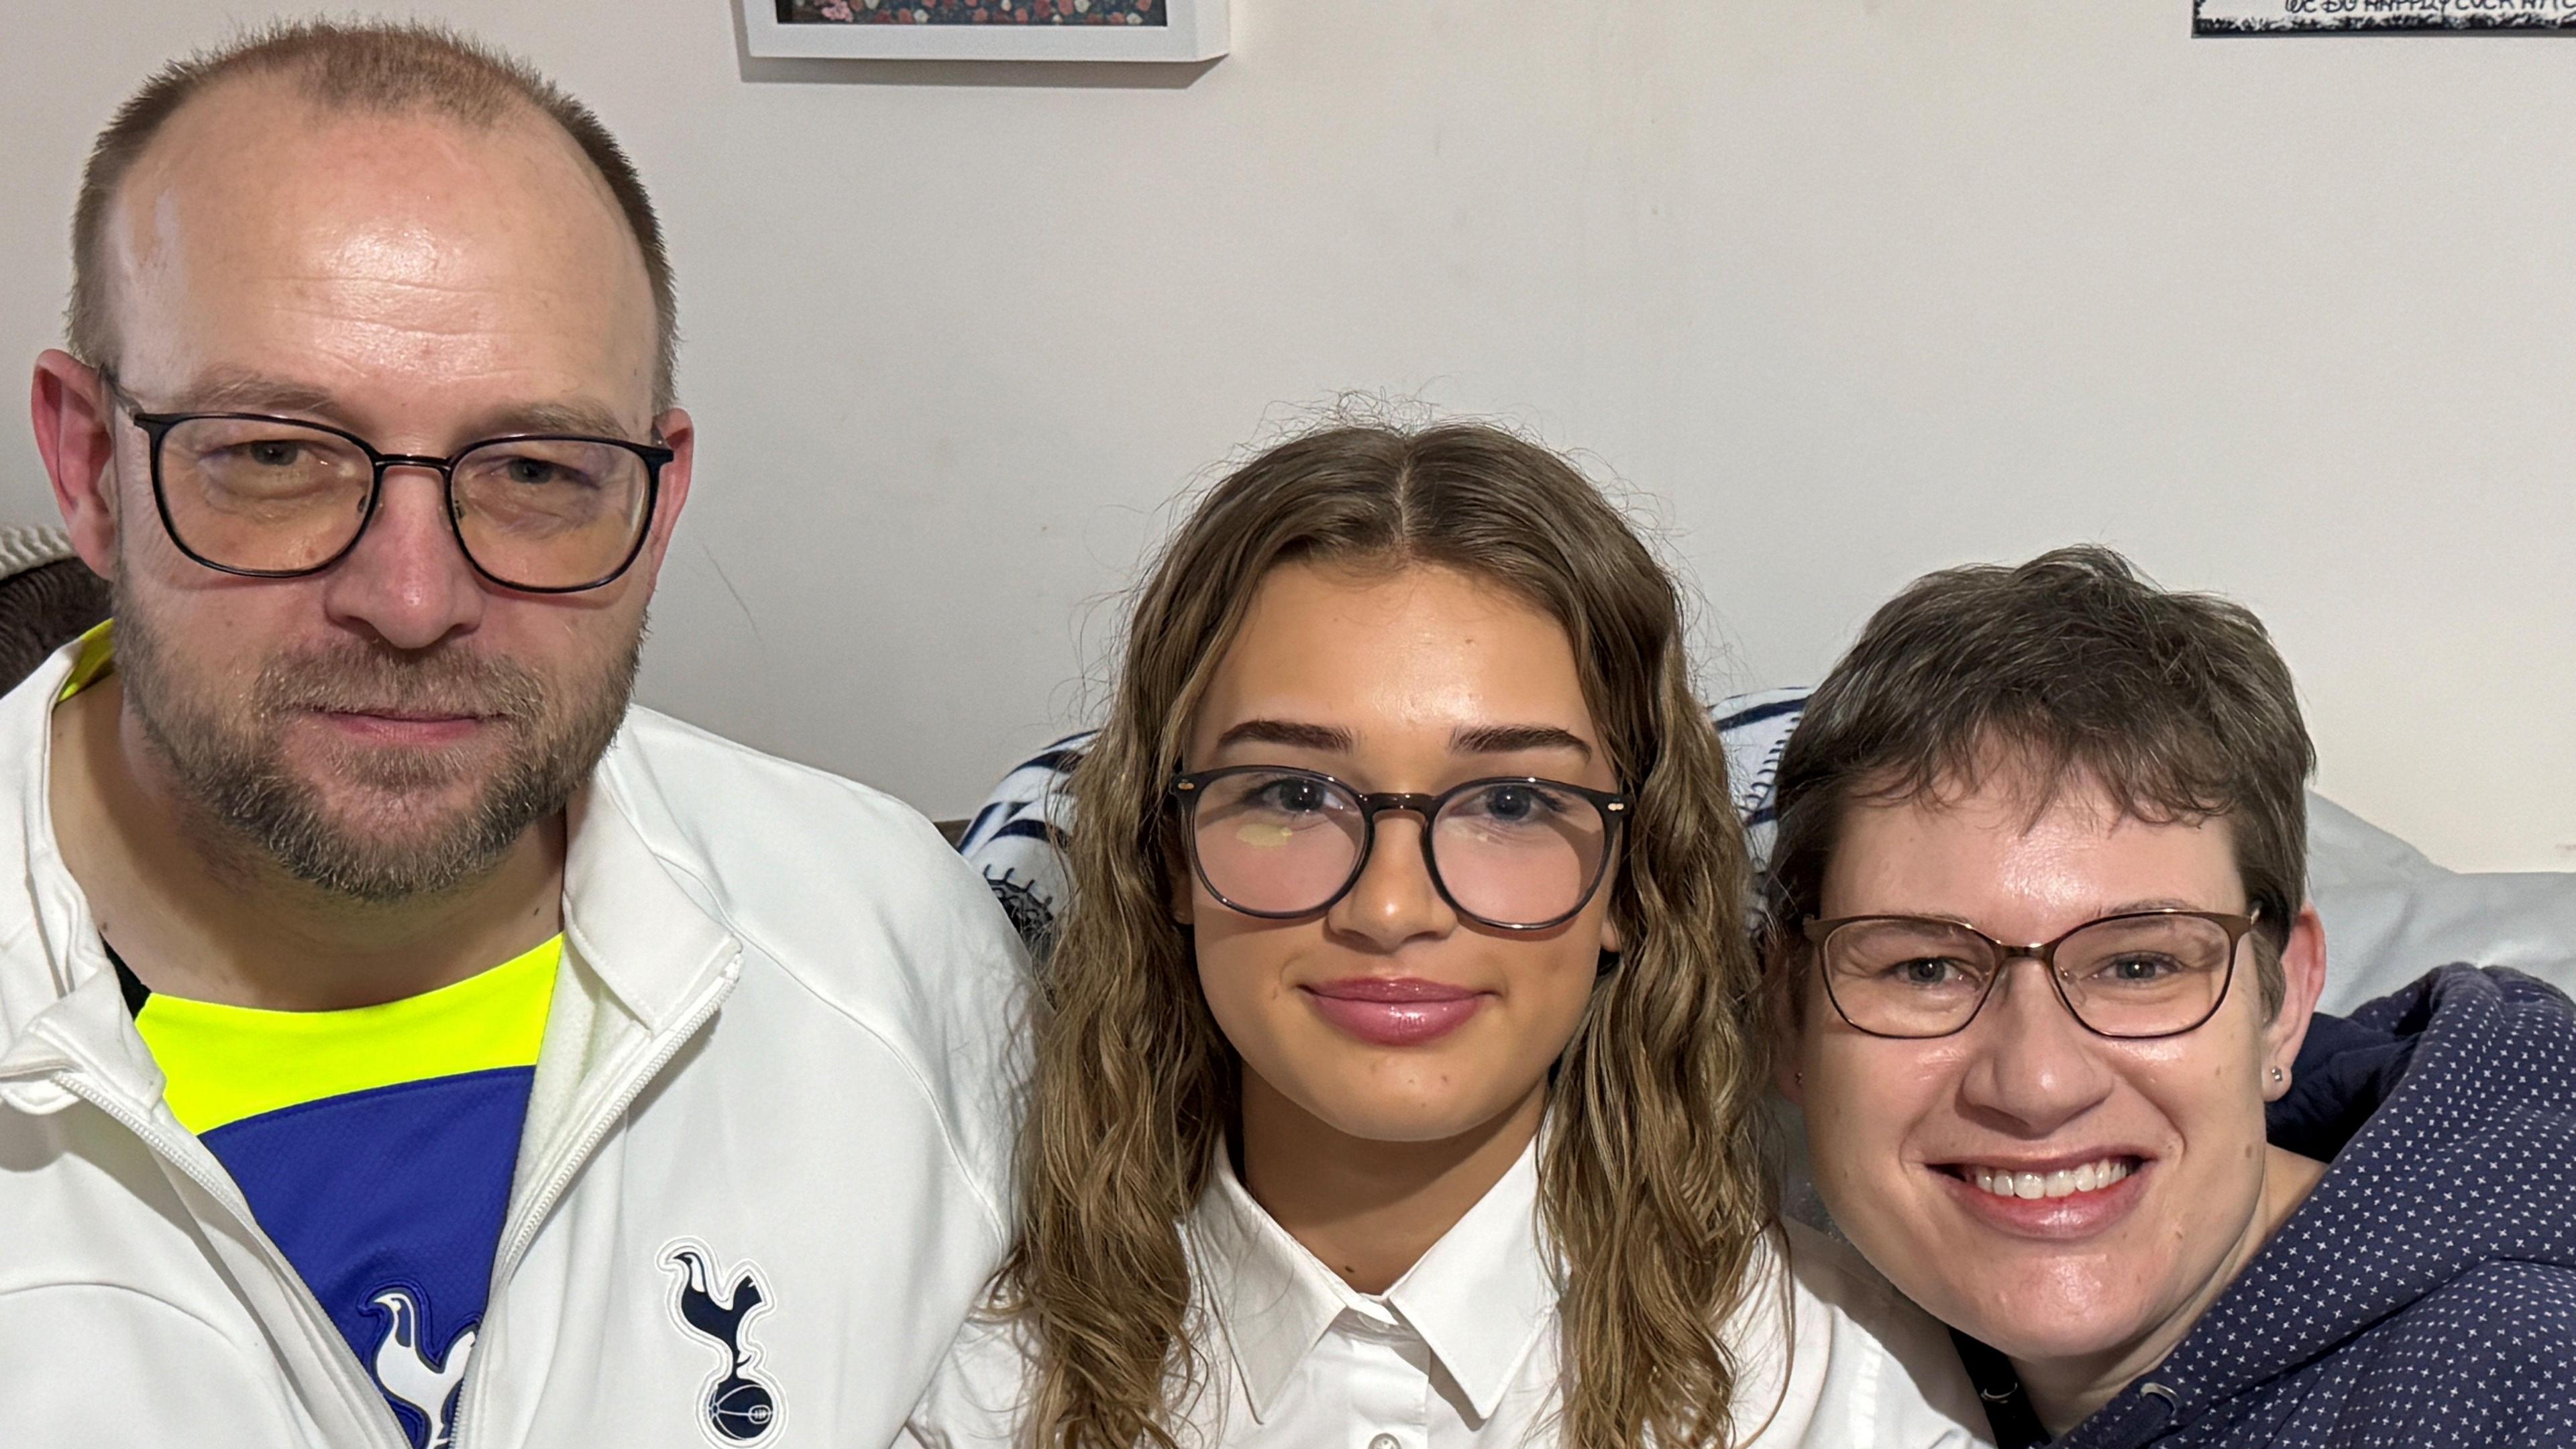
(2249, 17)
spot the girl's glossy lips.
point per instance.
(1394, 1011)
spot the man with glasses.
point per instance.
(401, 1039)
(2048, 972)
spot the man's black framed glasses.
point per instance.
(277, 498)
(1516, 852)
(2133, 976)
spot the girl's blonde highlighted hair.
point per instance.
(1654, 1188)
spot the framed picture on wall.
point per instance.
(1168, 30)
(2323, 17)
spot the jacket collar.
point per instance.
(628, 917)
(1479, 1298)
(66, 949)
(631, 913)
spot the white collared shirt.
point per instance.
(1461, 1353)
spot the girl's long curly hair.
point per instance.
(1654, 1179)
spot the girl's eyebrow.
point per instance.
(1511, 738)
(1496, 739)
(1288, 732)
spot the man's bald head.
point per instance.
(379, 67)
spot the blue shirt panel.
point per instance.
(395, 1191)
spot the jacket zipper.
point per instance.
(542, 1206)
(372, 1403)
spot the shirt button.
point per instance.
(1386, 1441)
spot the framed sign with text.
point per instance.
(2295, 17)
(1167, 30)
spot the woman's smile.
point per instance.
(2058, 1198)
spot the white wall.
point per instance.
(1862, 287)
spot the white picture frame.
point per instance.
(1192, 30)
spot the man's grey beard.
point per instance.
(235, 773)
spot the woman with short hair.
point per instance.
(2063, 766)
(1396, 1083)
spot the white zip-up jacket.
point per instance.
(782, 1049)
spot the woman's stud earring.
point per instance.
(2276, 1075)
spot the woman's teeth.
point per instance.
(2091, 1177)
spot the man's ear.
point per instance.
(74, 423)
(671, 494)
(2303, 979)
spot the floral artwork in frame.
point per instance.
(1165, 30)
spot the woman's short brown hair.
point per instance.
(2070, 669)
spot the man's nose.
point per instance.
(407, 579)
(1394, 900)
(2032, 1064)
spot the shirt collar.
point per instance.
(1479, 1298)
(1486, 1290)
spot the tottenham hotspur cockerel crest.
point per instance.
(738, 1406)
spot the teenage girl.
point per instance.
(1397, 1085)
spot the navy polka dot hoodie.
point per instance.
(2425, 1294)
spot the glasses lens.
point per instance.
(1279, 842)
(1905, 977)
(552, 513)
(1519, 854)
(2145, 975)
(270, 497)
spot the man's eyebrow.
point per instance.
(1512, 738)
(1293, 733)
(230, 390)
(572, 416)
